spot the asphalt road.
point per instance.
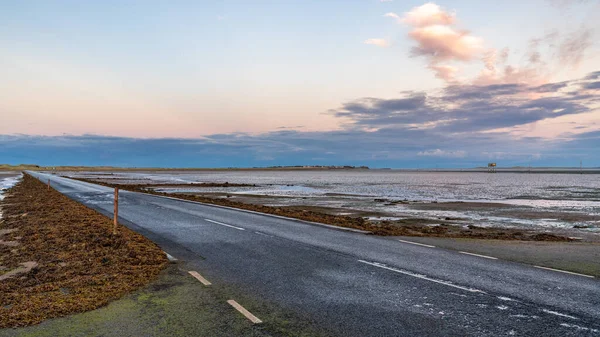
(353, 284)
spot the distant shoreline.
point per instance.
(552, 170)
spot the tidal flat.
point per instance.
(562, 204)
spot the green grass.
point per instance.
(174, 305)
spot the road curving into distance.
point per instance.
(354, 284)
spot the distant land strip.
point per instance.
(515, 169)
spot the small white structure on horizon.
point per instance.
(492, 167)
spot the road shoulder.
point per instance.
(575, 257)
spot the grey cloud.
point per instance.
(592, 85)
(470, 92)
(593, 76)
(462, 108)
(572, 49)
(551, 87)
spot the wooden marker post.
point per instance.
(48, 184)
(116, 212)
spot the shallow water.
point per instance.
(545, 192)
(7, 182)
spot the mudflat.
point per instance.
(8, 174)
(409, 227)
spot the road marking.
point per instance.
(484, 256)
(502, 298)
(199, 278)
(423, 277)
(416, 243)
(263, 234)
(262, 214)
(558, 314)
(244, 312)
(224, 224)
(170, 257)
(577, 327)
(564, 271)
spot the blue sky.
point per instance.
(259, 83)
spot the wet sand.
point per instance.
(8, 174)
(431, 213)
(412, 226)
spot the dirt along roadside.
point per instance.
(59, 257)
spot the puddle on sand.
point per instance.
(7, 183)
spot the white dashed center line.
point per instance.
(200, 278)
(478, 255)
(558, 314)
(416, 243)
(244, 312)
(224, 224)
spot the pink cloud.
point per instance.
(438, 40)
(378, 42)
(444, 43)
(546, 56)
(428, 14)
(446, 47)
(444, 72)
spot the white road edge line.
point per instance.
(224, 224)
(263, 214)
(423, 277)
(199, 278)
(564, 271)
(244, 312)
(416, 243)
(558, 314)
(235, 209)
(478, 255)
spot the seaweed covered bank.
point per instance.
(59, 257)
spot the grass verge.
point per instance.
(175, 304)
(58, 257)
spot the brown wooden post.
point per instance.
(48, 184)
(116, 212)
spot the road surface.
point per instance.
(353, 284)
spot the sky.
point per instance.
(382, 83)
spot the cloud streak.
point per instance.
(473, 108)
(378, 42)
